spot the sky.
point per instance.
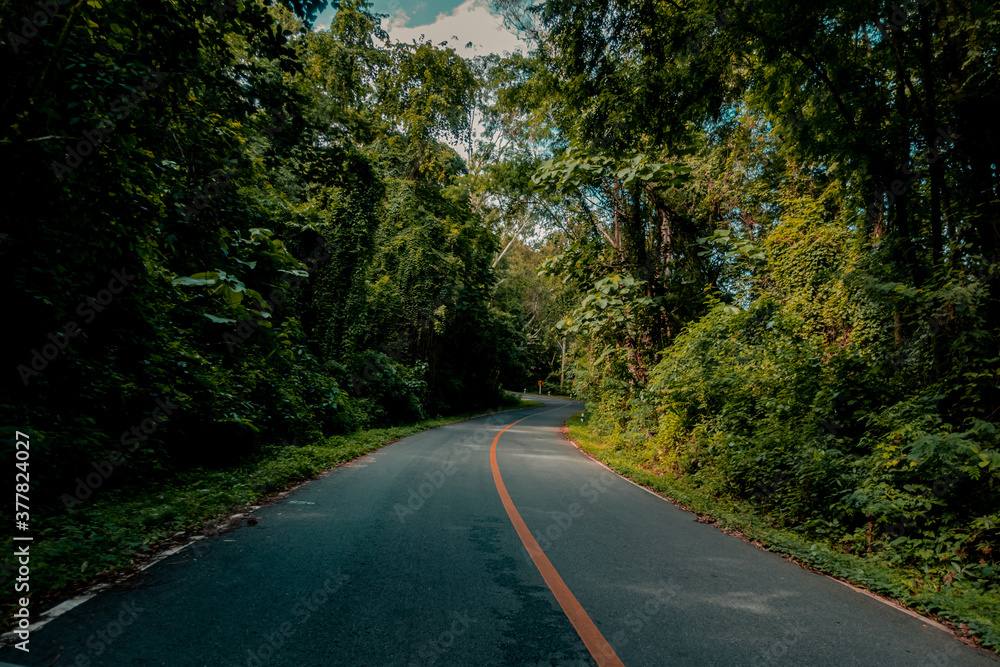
(453, 21)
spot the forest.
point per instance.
(760, 240)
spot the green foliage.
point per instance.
(800, 407)
(613, 303)
(579, 167)
(970, 601)
(535, 304)
(115, 531)
(390, 391)
(770, 241)
(785, 269)
(265, 235)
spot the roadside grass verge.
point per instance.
(122, 528)
(971, 607)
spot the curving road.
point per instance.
(467, 546)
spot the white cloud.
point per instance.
(471, 21)
(397, 19)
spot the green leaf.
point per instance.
(219, 320)
(197, 279)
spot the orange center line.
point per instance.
(598, 646)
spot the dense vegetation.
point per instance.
(226, 232)
(782, 221)
(765, 237)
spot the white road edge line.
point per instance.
(923, 619)
(51, 614)
(55, 612)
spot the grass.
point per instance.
(970, 607)
(119, 530)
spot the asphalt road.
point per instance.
(414, 556)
